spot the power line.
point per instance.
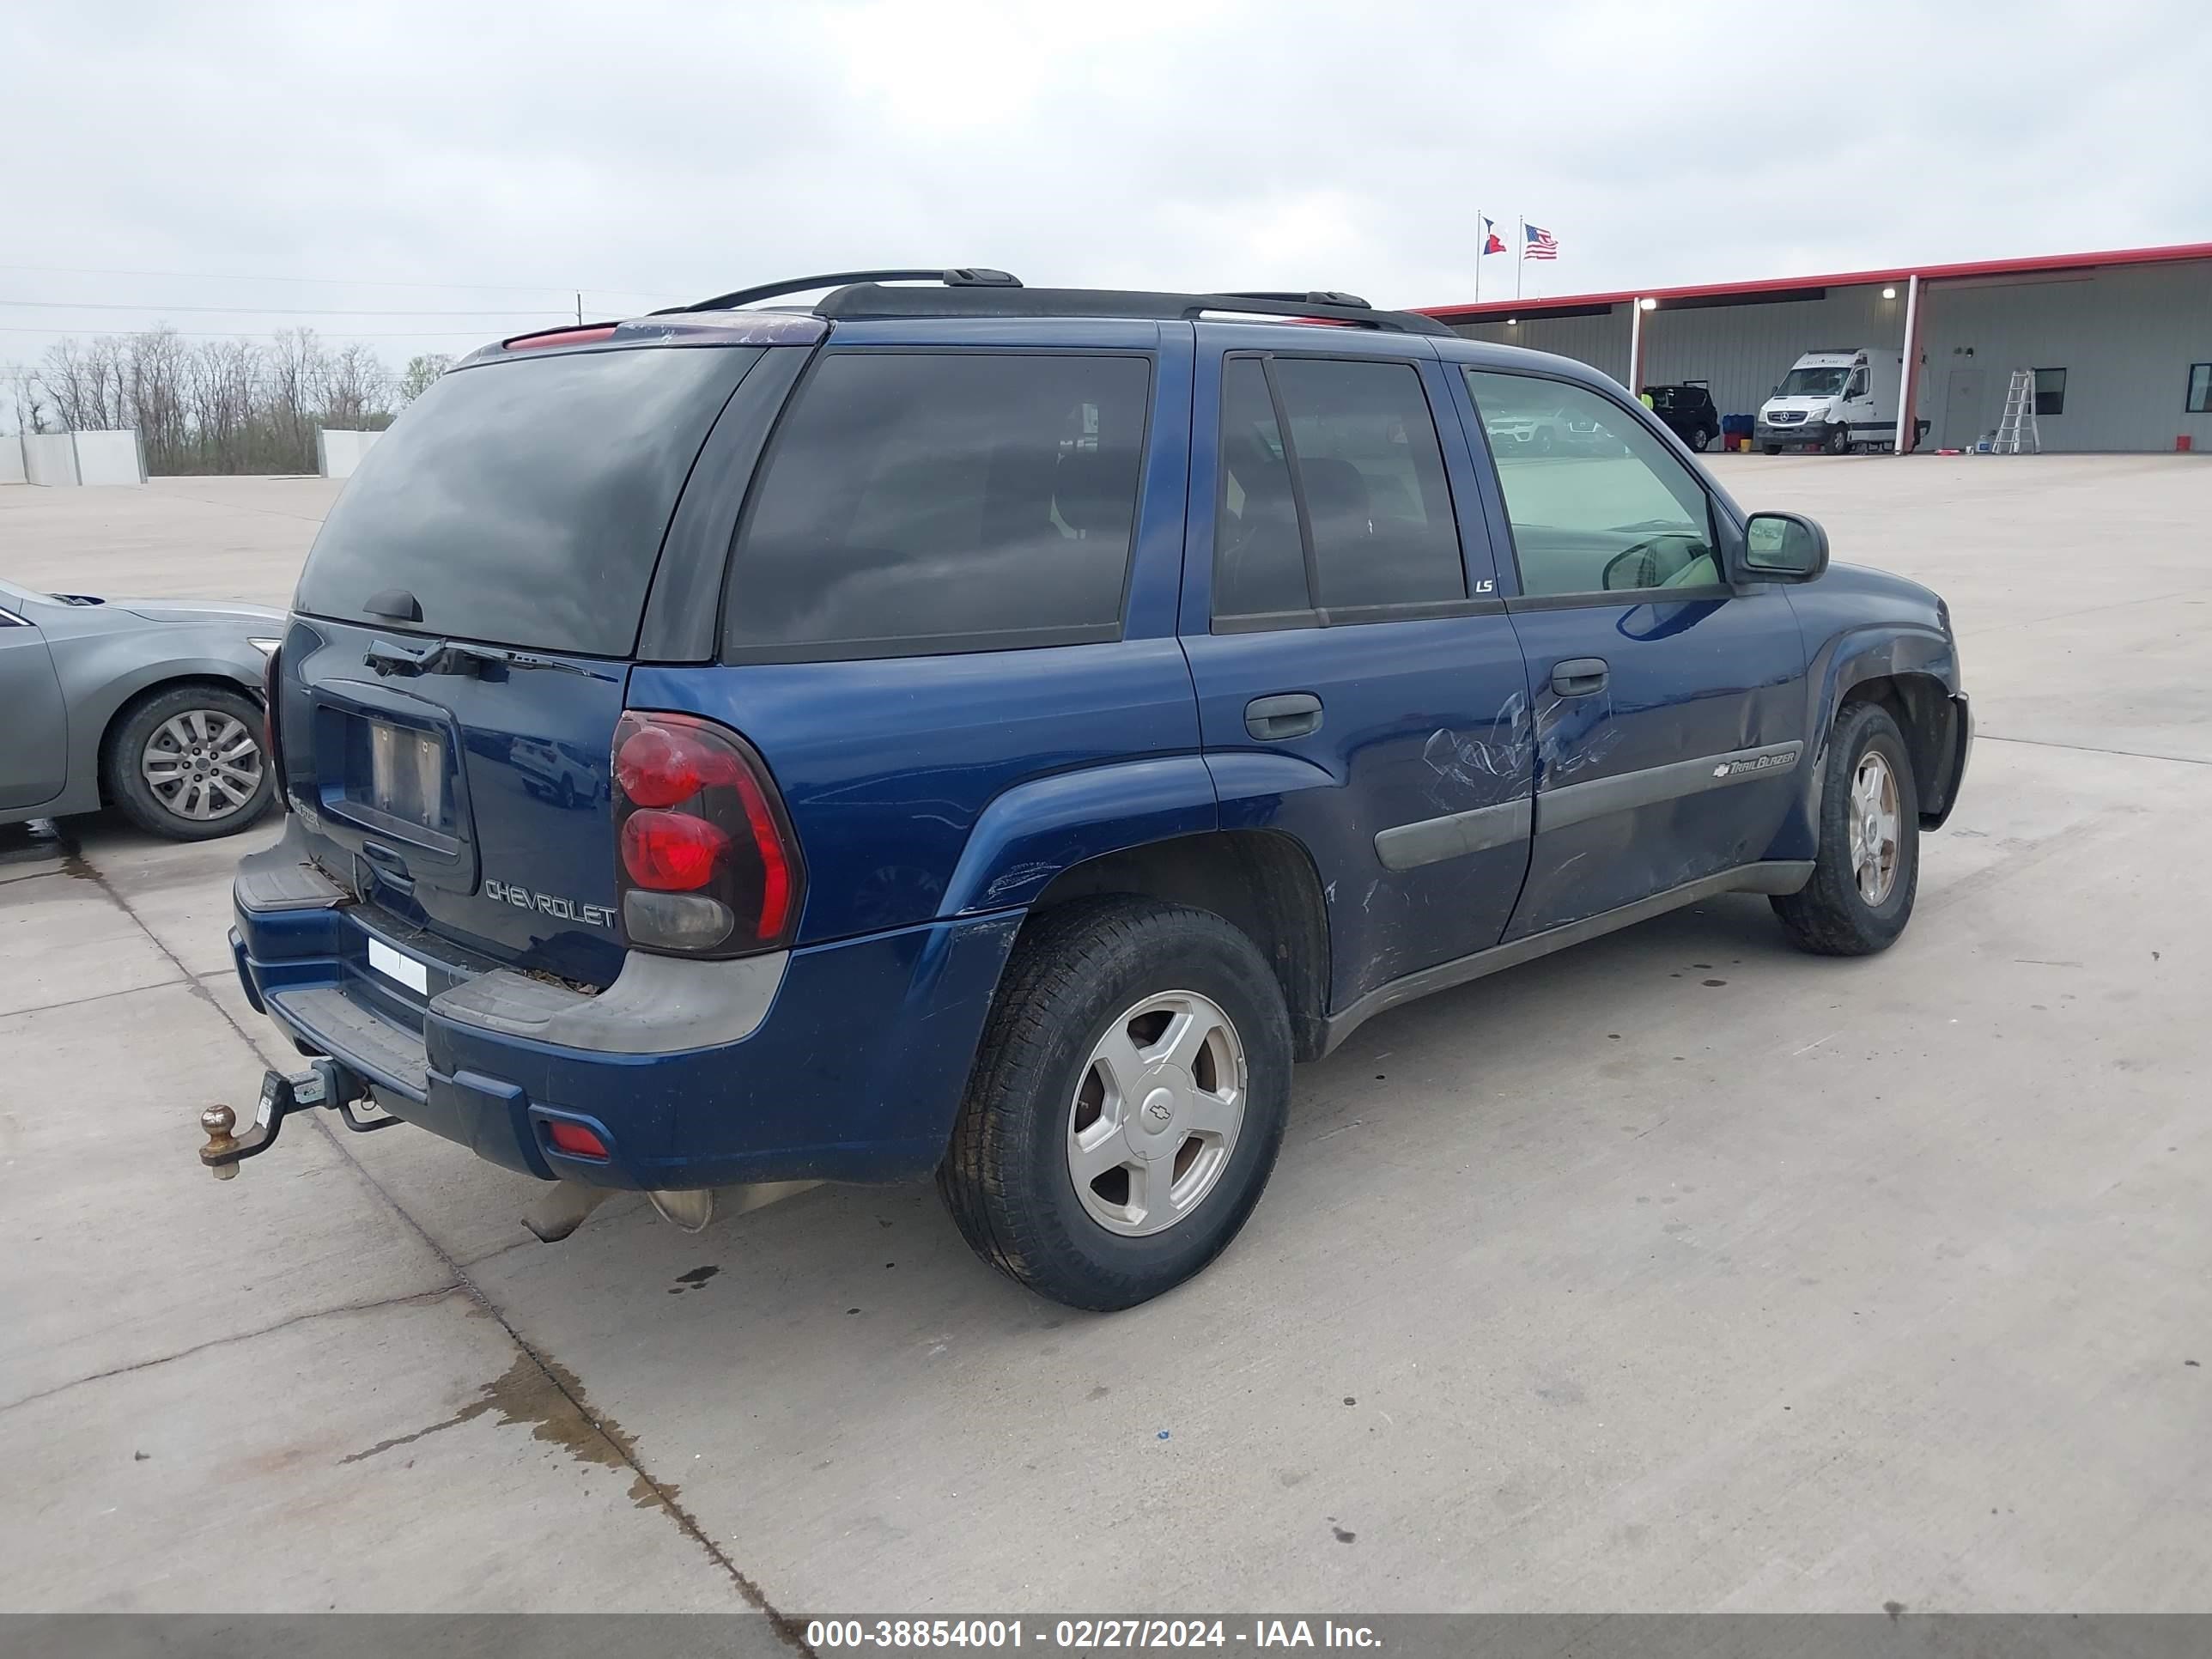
(275, 310)
(341, 282)
(271, 334)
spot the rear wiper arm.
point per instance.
(453, 657)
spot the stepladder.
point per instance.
(2017, 425)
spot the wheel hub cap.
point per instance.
(202, 764)
(1157, 1113)
(1873, 827)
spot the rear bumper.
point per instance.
(840, 1062)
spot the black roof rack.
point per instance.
(869, 299)
(978, 291)
(955, 276)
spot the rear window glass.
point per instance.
(524, 502)
(917, 502)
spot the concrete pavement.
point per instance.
(1677, 1272)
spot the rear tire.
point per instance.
(1050, 1105)
(178, 760)
(1868, 871)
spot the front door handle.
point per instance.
(1577, 677)
(1291, 715)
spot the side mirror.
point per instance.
(1783, 547)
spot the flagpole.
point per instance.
(1481, 239)
(1520, 254)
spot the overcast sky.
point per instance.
(649, 155)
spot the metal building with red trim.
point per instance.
(2122, 339)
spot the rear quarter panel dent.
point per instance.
(1033, 832)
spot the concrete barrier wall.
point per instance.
(63, 459)
(11, 460)
(50, 458)
(338, 451)
(108, 458)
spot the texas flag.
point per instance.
(1491, 241)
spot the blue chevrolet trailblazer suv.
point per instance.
(970, 729)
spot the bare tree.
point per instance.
(296, 369)
(212, 405)
(27, 393)
(356, 388)
(156, 370)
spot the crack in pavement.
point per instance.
(96, 996)
(619, 1445)
(437, 1293)
(2093, 749)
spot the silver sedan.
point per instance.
(153, 705)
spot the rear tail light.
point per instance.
(706, 863)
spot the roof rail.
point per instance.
(869, 299)
(1320, 297)
(952, 276)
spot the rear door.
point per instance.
(1359, 685)
(954, 582)
(461, 639)
(1668, 711)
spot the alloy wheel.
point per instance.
(1156, 1112)
(202, 764)
(1873, 823)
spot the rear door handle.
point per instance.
(1290, 714)
(1577, 677)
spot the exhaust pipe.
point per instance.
(564, 1205)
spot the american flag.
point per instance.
(1541, 244)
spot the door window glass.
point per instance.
(1372, 475)
(1596, 502)
(1259, 562)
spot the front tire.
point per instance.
(1839, 440)
(187, 764)
(1128, 1104)
(1867, 871)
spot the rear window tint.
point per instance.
(524, 502)
(917, 502)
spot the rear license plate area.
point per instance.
(403, 775)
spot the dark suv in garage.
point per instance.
(1687, 411)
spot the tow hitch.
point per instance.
(324, 1083)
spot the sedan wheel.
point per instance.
(203, 764)
(187, 761)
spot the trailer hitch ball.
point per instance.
(218, 1121)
